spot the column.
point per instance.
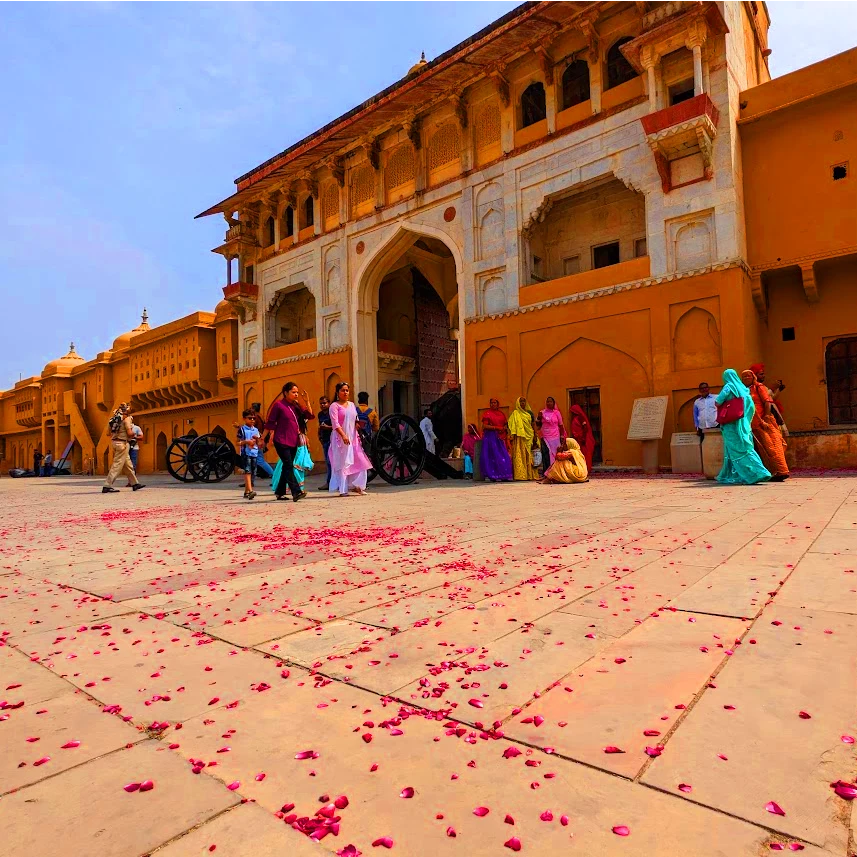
(228, 270)
(316, 215)
(697, 70)
(649, 61)
(595, 83)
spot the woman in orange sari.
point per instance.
(766, 432)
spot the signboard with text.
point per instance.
(647, 418)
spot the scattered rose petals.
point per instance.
(847, 791)
(774, 808)
(511, 752)
(450, 832)
(70, 745)
(481, 811)
(233, 786)
(132, 787)
(684, 787)
(476, 703)
(407, 792)
(306, 754)
(847, 739)
(41, 761)
(508, 819)
(622, 830)
(514, 844)
(384, 841)
(259, 778)
(612, 749)
(804, 715)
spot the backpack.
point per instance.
(115, 423)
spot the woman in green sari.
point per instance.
(741, 462)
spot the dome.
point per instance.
(419, 66)
(64, 364)
(121, 343)
(224, 310)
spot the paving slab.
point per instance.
(640, 682)
(36, 738)
(324, 641)
(773, 753)
(461, 777)
(243, 831)
(87, 811)
(822, 582)
(153, 670)
(733, 589)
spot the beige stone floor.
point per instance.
(472, 646)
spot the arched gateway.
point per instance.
(407, 320)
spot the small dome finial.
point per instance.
(71, 348)
(419, 65)
(423, 56)
(145, 316)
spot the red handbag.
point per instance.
(730, 411)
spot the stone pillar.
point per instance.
(698, 87)
(595, 84)
(228, 270)
(649, 60)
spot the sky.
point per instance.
(121, 121)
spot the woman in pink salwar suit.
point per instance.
(348, 463)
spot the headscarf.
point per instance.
(758, 368)
(472, 430)
(733, 388)
(521, 422)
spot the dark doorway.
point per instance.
(589, 399)
(841, 371)
(437, 354)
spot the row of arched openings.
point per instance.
(574, 86)
(287, 223)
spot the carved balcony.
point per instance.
(244, 297)
(681, 138)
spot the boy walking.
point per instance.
(248, 443)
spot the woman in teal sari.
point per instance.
(741, 462)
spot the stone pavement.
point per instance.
(635, 666)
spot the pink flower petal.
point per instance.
(684, 787)
(547, 815)
(804, 715)
(131, 787)
(847, 791)
(214, 701)
(651, 733)
(450, 832)
(481, 811)
(407, 792)
(514, 844)
(146, 786)
(612, 749)
(385, 841)
(233, 786)
(654, 752)
(511, 752)
(349, 851)
(306, 754)
(341, 802)
(476, 703)
(847, 739)
(622, 830)
(563, 820)
(70, 745)
(41, 761)
(774, 808)
(259, 777)
(508, 819)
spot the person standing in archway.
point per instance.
(494, 460)
(580, 429)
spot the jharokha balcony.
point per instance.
(243, 296)
(681, 138)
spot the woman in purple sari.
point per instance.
(495, 461)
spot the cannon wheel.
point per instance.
(399, 450)
(211, 458)
(367, 443)
(177, 459)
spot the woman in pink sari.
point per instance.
(581, 431)
(549, 422)
(348, 463)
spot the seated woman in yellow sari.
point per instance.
(569, 465)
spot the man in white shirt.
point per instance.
(427, 429)
(704, 410)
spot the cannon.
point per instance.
(397, 451)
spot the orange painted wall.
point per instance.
(793, 207)
(661, 340)
(318, 374)
(801, 363)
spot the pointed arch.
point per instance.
(696, 341)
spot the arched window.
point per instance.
(533, 106)
(309, 211)
(619, 70)
(840, 359)
(269, 232)
(288, 222)
(575, 84)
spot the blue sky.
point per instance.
(124, 120)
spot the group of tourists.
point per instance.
(517, 447)
(753, 427)
(286, 426)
